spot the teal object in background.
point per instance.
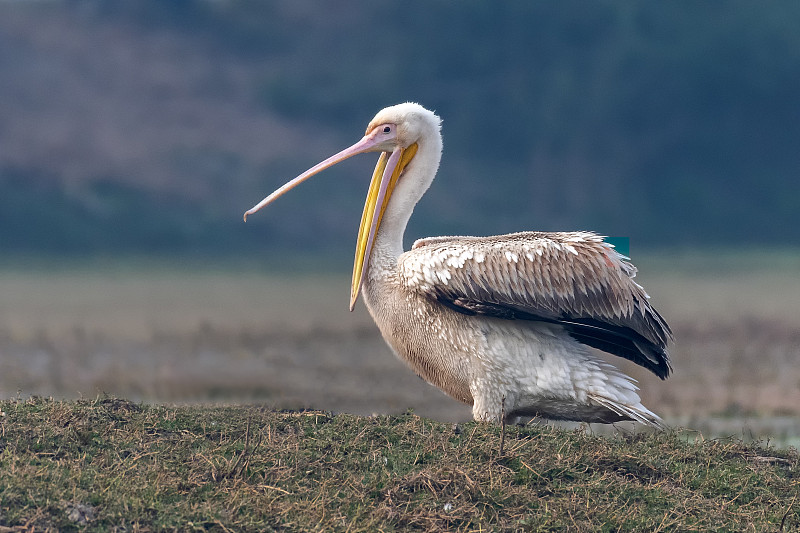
(621, 244)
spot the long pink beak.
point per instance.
(384, 179)
(366, 144)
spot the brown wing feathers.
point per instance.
(572, 279)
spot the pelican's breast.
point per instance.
(433, 340)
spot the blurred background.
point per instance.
(133, 134)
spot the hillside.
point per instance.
(150, 126)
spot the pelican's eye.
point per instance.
(386, 130)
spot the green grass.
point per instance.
(109, 464)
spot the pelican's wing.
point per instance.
(573, 279)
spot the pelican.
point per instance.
(501, 323)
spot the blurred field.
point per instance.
(194, 332)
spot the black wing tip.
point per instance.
(652, 356)
(655, 359)
(625, 343)
(664, 368)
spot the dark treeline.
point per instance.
(673, 123)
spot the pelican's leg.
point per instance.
(491, 402)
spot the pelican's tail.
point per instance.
(618, 393)
(631, 411)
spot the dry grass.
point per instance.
(111, 465)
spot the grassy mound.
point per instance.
(112, 465)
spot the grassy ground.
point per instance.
(112, 465)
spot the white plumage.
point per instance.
(502, 323)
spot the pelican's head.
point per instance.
(407, 123)
(395, 132)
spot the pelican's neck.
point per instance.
(413, 182)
